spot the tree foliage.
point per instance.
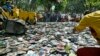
(78, 6)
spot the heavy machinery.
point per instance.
(15, 23)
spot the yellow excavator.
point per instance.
(14, 12)
(12, 23)
(29, 17)
(12, 19)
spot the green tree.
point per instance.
(78, 6)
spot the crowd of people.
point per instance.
(60, 17)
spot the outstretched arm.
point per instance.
(82, 24)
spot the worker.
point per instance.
(91, 20)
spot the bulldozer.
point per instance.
(12, 12)
(28, 17)
(14, 20)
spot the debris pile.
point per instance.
(47, 39)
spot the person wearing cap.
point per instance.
(91, 20)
